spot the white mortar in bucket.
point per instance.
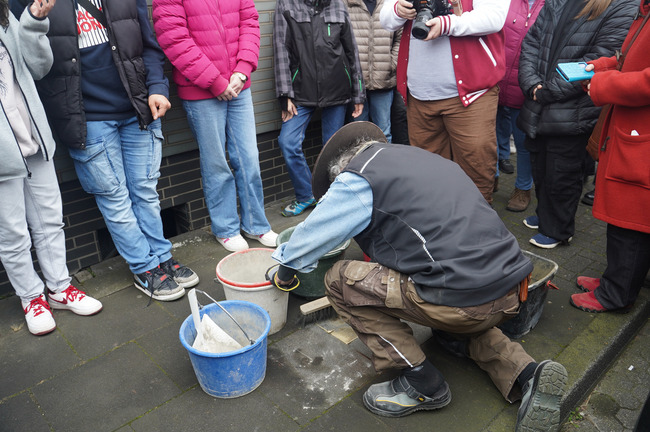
(242, 275)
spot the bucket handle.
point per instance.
(227, 313)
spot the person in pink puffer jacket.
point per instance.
(214, 48)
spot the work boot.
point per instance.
(540, 403)
(397, 398)
(519, 200)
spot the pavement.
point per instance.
(126, 370)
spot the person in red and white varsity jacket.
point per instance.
(449, 80)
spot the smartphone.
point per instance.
(574, 71)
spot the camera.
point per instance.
(426, 10)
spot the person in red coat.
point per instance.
(623, 179)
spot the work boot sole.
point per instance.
(543, 411)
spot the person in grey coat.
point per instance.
(31, 200)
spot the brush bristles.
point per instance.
(316, 316)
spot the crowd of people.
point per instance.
(471, 75)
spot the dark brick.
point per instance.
(85, 239)
(190, 196)
(82, 251)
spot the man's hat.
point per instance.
(348, 135)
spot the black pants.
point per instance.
(558, 164)
(628, 262)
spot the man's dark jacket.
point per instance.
(563, 108)
(316, 57)
(429, 221)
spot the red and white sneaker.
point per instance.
(74, 300)
(39, 316)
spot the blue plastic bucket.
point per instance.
(234, 373)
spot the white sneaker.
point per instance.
(268, 239)
(38, 316)
(233, 244)
(74, 300)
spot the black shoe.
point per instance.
(588, 198)
(183, 275)
(540, 403)
(158, 285)
(506, 167)
(398, 398)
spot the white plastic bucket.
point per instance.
(242, 275)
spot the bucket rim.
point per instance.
(242, 284)
(225, 303)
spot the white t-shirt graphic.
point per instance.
(90, 31)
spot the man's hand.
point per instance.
(291, 111)
(228, 93)
(539, 86)
(158, 104)
(236, 83)
(40, 8)
(358, 109)
(405, 9)
(435, 28)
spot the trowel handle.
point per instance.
(194, 307)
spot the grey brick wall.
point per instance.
(180, 187)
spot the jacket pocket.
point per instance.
(627, 162)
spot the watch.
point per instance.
(242, 77)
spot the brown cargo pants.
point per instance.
(373, 300)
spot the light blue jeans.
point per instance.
(506, 126)
(290, 140)
(377, 108)
(216, 124)
(33, 206)
(120, 166)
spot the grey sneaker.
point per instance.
(183, 275)
(540, 405)
(158, 285)
(397, 398)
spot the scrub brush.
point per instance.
(316, 310)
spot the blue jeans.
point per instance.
(377, 107)
(120, 166)
(216, 124)
(506, 126)
(290, 140)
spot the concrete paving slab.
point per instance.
(21, 413)
(194, 410)
(348, 415)
(105, 393)
(310, 371)
(92, 336)
(26, 360)
(165, 350)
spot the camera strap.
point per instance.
(94, 11)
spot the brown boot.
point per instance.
(519, 200)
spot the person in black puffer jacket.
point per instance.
(558, 116)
